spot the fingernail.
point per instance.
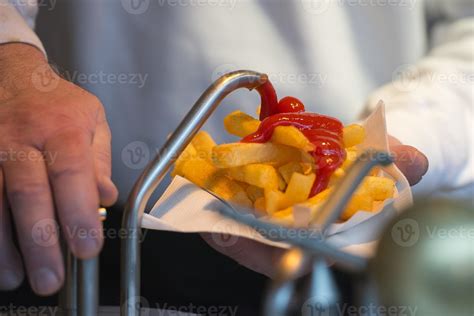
(9, 279)
(426, 163)
(45, 281)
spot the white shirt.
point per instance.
(338, 56)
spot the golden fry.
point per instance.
(188, 153)
(275, 200)
(239, 154)
(254, 192)
(240, 124)
(260, 175)
(228, 189)
(198, 170)
(299, 187)
(259, 204)
(379, 188)
(287, 170)
(276, 176)
(351, 157)
(203, 143)
(353, 135)
(291, 136)
(358, 202)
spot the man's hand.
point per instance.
(55, 163)
(263, 258)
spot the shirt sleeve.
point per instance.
(17, 22)
(430, 103)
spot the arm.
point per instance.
(430, 104)
(430, 108)
(54, 159)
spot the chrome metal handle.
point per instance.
(283, 289)
(156, 171)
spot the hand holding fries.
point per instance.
(286, 160)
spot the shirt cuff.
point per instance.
(14, 29)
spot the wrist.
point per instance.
(18, 63)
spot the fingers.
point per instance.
(70, 165)
(32, 206)
(102, 158)
(11, 270)
(411, 162)
(251, 254)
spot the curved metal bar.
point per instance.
(156, 171)
(338, 200)
(283, 290)
(328, 214)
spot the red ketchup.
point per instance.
(324, 132)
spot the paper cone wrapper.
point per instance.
(186, 208)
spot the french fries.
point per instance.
(240, 154)
(291, 136)
(240, 124)
(259, 175)
(353, 135)
(274, 177)
(203, 143)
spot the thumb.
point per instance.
(412, 162)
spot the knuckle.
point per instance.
(75, 166)
(26, 189)
(72, 138)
